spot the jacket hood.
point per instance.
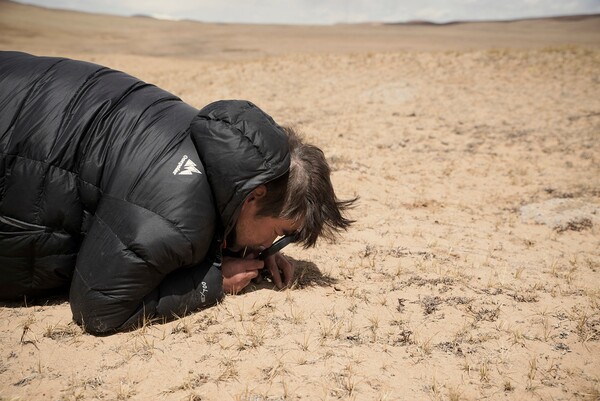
(241, 148)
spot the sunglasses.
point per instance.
(278, 246)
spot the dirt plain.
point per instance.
(473, 269)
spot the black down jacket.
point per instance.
(120, 190)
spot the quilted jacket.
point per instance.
(119, 190)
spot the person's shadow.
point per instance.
(306, 275)
(50, 299)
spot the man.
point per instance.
(140, 204)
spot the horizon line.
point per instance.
(164, 17)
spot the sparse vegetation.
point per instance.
(441, 290)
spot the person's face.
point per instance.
(258, 232)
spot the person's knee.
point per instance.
(94, 311)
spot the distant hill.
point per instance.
(42, 30)
(565, 18)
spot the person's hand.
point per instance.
(237, 273)
(278, 264)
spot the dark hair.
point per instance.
(306, 193)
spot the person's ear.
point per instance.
(257, 194)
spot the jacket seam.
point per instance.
(140, 116)
(32, 88)
(101, 221)
(98, 291)
(68, 113)
(173, 224)
(53, 166)
(156, 214)
(245, 136)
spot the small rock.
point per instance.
(562, 214)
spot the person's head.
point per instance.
(301, 202)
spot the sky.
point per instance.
(329, 11)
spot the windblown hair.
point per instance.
(306, 194)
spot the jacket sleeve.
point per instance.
(134, 266)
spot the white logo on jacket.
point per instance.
(203, 293)
(186, 167)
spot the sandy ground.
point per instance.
(473, 270)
